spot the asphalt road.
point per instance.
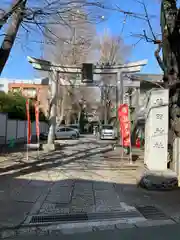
(169, 232)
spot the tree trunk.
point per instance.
(60, 106)
(170, 17)
(6, 15)
(53, 111)
(68, 117)
(60, 111)
(11, 34)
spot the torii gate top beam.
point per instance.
(44, 65)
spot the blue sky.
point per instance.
(18, 67)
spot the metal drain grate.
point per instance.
(152, 213)
(83, 217)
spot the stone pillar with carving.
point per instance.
(156, 139)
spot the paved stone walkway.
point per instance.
(82, 177)
(171, 232)
(26, 185)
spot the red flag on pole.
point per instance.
(138, 142)
(124, 124)
(37, 119)
(29, 122)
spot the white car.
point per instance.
(108, 132)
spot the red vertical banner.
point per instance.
(123, 113)
(28, 122)
(37, 119)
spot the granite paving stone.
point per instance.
(87, 185)
(63, 195)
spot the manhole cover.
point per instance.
(151, 212)
(83, 217)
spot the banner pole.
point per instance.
(130, 149)
(122, 147)
(38, 145)
(37, 125)
(27, 129)
(120, 133)
(27, 150)
(130, 143)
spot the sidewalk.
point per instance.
(171, 232)
(81, 182)
(25, 184)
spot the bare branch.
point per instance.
(72, 43)
(112, 49)
(158, 58)
(4, 17)
(10, 36)
(132, 14)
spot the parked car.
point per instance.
(62, 133)
(108, 132)
(75, 127)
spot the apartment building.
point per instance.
(35, 89)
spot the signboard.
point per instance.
(87, 73)
(123, 113)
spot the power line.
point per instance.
(123, 25)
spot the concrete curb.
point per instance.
(151, 223)
(81, 227)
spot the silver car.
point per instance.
(108, 132)
(74, 126)
(62, 133)
(66, 132)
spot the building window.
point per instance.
(29, 92)
(15, 89)
(1, 87)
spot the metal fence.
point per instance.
(16, 129)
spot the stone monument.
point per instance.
(156, 175)
(156, 130)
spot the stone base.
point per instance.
(157, 180)
(49, 147)
(34, 146)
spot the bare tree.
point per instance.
(72, 48)
(112, 49)
(37, 17)
(168, 43)
(167, 55)
(17, 16)
(4, 15)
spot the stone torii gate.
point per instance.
(119, 70)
